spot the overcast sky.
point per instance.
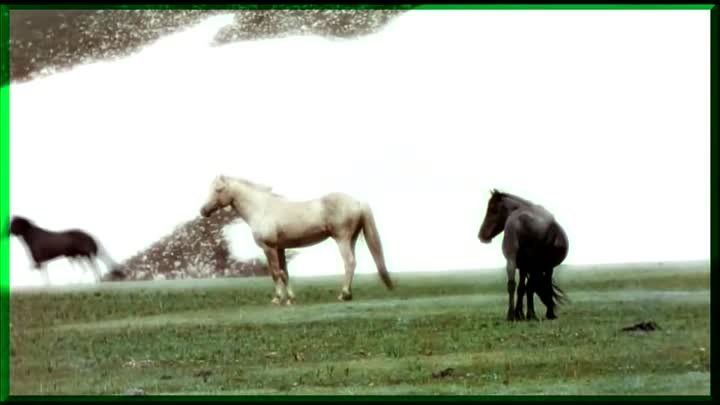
(603, 117)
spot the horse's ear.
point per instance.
(219, 183)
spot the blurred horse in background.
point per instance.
(74, 244)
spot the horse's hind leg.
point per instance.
(95, 269)
(530, 298)
(75, 263)
(82, 262)
(347, 251)
(545, 292)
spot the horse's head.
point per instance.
(19, 225)
(220, 197)
(495, 217)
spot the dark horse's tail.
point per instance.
(557, 295)
(549, 292)
(557, 247)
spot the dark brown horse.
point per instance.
(534, 243)
(44, 245)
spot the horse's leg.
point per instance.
(347, 250)
(283, 268)
(277, 275)
(510, 248)
(520, 295)
(511, 288)
(95, 268)
(275, 279)
(530, 299)
(71, 260)
(43, 270)
(544, 285)
(80, 263)
(75, 263)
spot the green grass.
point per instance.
(222, 337)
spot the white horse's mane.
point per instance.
(256, 186)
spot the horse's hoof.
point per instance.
(511, 317)
(519, 316)
(532, 317)
(276, 301)
(551, 316)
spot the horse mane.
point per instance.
(256, 186)
(502, 195)
(19, 219)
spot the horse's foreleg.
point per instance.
(276, 280)
(73, 264)
(520, 295)
(283, 267)
(43, 271)
(273, 260)
(511, 289)
(348, 256)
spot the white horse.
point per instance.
(278, 224)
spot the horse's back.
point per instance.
(80, 243)
(294, 224)
(343, 212)
(342, 203)
(541, 239)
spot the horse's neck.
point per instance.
(514, 203)
(251, 204)
(31, 233)
(537, 211)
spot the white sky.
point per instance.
(601, 116)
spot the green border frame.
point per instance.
(5, 187)
(389, 5)
(4, 202)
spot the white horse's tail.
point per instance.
(372, 238)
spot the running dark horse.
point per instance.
(534, 243)
(74, 244)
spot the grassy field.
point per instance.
(435, 334)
